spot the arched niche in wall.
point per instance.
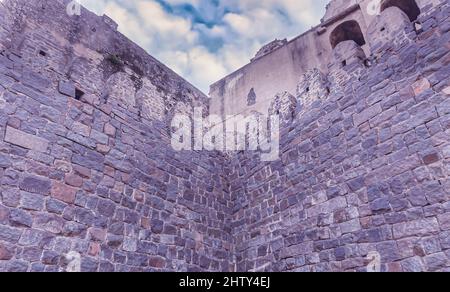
(284, 105)
(347, 31)
(120, 87)
(348, 62)
(410, 7)
(313, 86)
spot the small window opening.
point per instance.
(307, 89)
(78, 94)
(382, 29)
(251, 97)
(42, 53)
(344, 63)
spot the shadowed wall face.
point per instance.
(280, 67)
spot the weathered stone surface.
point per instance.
(420, 86)
(444, 107)
(367, 114)
(33, 202)
(110, 130)
(81, 129)
(446, 151)
(49, 223)
(350, 226)
(106, 208)
(157, 226)
(31, 254)
(20, 218)
(129, 244)
(91, 160)
(431, 158)
(356, 184)
(5, 161)
(157, 262)
(63, 192)
(99, 137)
(444, 239)
(417, 197)
(9, 234)
(38, 185)
(444, 221)
(380, 206)
(66, 88)
(436, 262)
(413, 265)
(284, 105)
(446, 90)
(74, 180)
(32, 237)
(10, 197)
(94, 249)
(17, 266)
(55, 206)
(25, 140)
(4, 214)
(50, 258)
(73, 229)
(98, 234)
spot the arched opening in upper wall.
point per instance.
(410, 7)
(346, 31)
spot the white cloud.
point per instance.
(203, 53)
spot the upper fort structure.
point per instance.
(281, 65)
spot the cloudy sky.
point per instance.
(204, 40)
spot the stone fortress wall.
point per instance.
(87, 169)
(86, 164)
